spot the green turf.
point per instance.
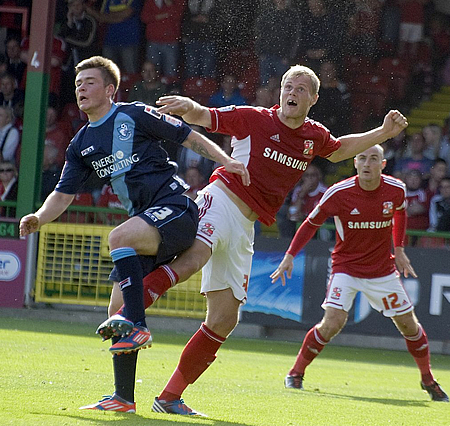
(49, 369)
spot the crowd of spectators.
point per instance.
(371, 55)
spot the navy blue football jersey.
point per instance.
(124, 149)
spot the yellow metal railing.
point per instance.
(74, 264)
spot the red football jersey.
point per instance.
(363, 225)
(311, 199)
(275, 155)
(418, 221)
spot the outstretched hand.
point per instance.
(286, 265)
(28, 224)
(394, 122)
(174, 104)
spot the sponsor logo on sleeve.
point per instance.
(172, 120)
(152, 112)
(87, 151)
(227, 108)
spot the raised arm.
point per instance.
(394, 122)
(208, 149)
(55, 204)
(191, 111)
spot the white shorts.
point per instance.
(411, 33)
(230, 235)
(385, 294)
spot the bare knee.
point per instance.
(191, 261)
(328, 329)
(332, 323)
(117, 239)
(222, 325)
(137, 234)
(407, 324)
(222, 314)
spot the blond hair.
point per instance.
(298, 70)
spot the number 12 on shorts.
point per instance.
(391, 301)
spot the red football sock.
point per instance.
(156, 284)
(198, 354)
(418, 347)
(311, 347)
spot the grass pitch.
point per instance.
(50, 369)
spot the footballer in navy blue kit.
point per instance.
(138, 170)
(121, 144)
(132, 160)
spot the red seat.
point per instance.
(249, 82)
(199, 89)
(70, 112)
(398, 74)
(355, 66)
(239, 62)
(248, 91)
(375, 87)
(369, 96)
(81, 199)
(127, 81)
(74, 116)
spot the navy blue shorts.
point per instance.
(176, 219)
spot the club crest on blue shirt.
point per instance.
(125, 132)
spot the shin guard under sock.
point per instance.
(156, 284)
(198, 354)
(125, 374)
(418, 347)
(311, 347)
(130, 273)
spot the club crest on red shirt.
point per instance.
(208, 229)
(388, 208)
(308, 147)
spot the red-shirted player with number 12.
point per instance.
(369, 209)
